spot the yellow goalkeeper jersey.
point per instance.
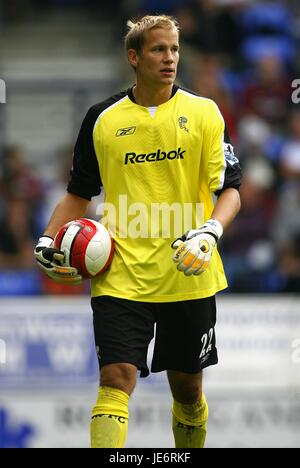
(159, 168)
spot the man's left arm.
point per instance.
(227, 207)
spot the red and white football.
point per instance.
(87, 246)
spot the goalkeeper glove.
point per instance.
(50, 261)
(195, 248)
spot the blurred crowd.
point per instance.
(244, 55)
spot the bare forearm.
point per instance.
(70, 207)
(227, 207)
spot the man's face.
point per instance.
(157, 63)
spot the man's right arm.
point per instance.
(84, 183)
(69, 208)
(50, 259)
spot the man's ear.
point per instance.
(132, 57)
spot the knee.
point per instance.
(121, 376)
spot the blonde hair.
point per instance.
(135, 37)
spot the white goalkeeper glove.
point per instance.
(195, 248)
(50, 261)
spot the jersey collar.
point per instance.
(131, 96)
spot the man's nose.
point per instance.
(168, 56)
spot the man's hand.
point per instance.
(195, 248)
(50, 261)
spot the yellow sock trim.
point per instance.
(111, 398)
(189, 423)
(110, 419)
(191, 415)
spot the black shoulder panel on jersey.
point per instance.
(85, 180)
(233, 173)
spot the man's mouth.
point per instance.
(167, 71)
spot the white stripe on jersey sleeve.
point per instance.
(222, 175)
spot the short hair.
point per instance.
(135, 37)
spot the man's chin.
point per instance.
(168, 80)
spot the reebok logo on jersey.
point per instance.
(151, 157)
(125, 131)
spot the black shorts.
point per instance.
(184, 340)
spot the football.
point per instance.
(87, 246)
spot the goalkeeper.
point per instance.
(155, 143)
